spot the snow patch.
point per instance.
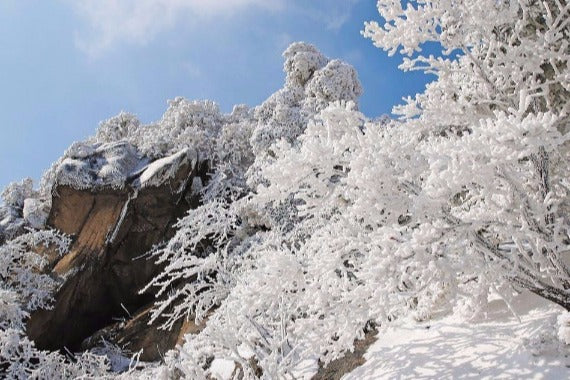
(222, 368)
(165, 168)
(306, 369)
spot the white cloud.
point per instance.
(107, 23)
(139, 21)
(332, 13)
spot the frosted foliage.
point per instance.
(312, 83)
(48, 179)
(279, 117)
(336, 81)
(220, 255)
(122, 126)
(299, 295)
(260, 325)
(16, 192)
(234, 155)
(25, 287)
(495, 133)
(316, 223)
(314, 170)
(185, 124)
(187, 256)
(87, 166)
(384, 174)
(240, 113)
(12, 218)
(21, 360)
(11, 223)
(286, 112)
(514, 54)
(301, 61)
(357, 176)
(21, 267)
(234, 147)
(297, 305)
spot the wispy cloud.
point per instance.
(108, 22)
(192, 69)
(332, 13)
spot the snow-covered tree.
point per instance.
(496, 131)
(311, 83)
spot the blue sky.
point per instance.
(65, 65)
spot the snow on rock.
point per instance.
(36, 212)
(161, 170)
(97, 165)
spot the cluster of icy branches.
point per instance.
(352, 223)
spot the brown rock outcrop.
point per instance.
(103, 270)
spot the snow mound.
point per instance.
(161, 170)
(99, 165)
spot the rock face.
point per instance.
(103, 270)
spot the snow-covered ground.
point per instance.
(498, 347)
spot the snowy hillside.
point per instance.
(271, 241)
(500, 346)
